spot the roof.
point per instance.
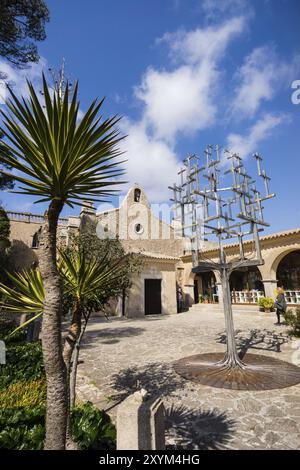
(272, 236)
(159, 256)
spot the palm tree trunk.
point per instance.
(73, 334)
(75, 357)
(57, 398)
(70, 341)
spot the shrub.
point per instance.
(25, 394)
(92, 428)
(266, 302)
(23, 362)
(292, 318)
(22, 403)
(24, 428)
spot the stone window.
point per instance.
(137, 195)
(138, 229)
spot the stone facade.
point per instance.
(166, 263)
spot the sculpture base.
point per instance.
(258, 373)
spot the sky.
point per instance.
(184, 74)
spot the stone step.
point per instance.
(216, 308)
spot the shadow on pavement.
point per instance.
(108, 335)
(256, 339)
(157, 378)
(196, 429)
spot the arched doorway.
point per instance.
(205, 287)
(288, 271)
(246, 285)
(288, 276)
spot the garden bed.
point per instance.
(23, 402)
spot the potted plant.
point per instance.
(201, 298)
(267, 303)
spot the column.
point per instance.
(270, 286)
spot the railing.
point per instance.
(32, 218)
(292, 297)
(251, 297)
(246, 297)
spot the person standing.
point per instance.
(180, 299)
(280, 304)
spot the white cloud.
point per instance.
(247, 144)
(151, 162)
(203, 44)
(260, 77)
(177, 101)
(182, 100)
(17, 77)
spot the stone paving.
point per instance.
(119, 356)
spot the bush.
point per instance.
(92, 428)
(23, 362)
(25, 394)
(23, 399)
(292, 318)
(266, 302)
(24, 428)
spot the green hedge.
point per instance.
(24, 362)
(24, 428)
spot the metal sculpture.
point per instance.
(220, 202)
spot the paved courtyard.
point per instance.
(119, 356)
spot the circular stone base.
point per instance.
(259, 372)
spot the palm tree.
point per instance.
(86, 280)
(25, 297)
(60, 161)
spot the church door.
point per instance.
(152, 296)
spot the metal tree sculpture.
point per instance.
(220, 203)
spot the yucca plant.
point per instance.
(84, 278)
(61, 161)
(26, 297)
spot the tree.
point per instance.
(110, 258)
(93, 272)
(21, 23)
(61, 161)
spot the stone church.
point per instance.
(167, 263)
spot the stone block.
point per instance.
(141, 423)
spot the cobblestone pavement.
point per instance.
(122, 355)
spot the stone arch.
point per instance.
(205, 283)
(279, 258)
(288, 271)
(249, 278)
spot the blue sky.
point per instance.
(183, 74)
